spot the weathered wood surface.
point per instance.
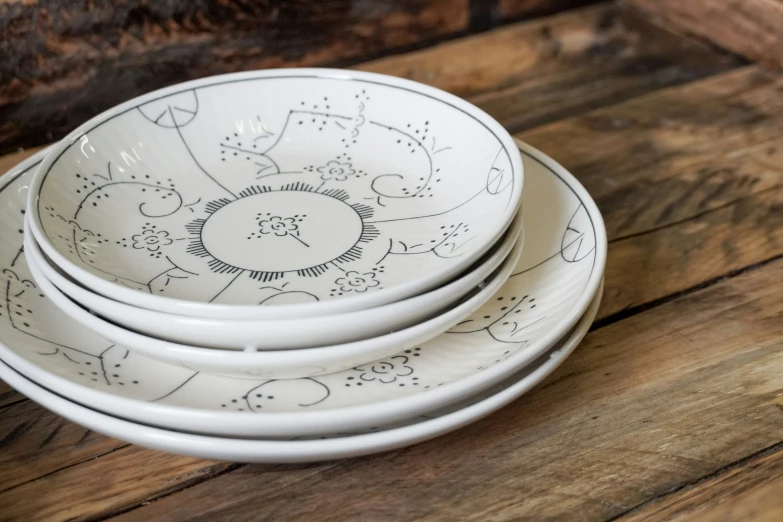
(34, 445)
(64, 63)
(532, 73)
(750, 28)
(516, 9)
(8, 395)
(590, 57)
(680, 380)
(119, 480)
(750, 490)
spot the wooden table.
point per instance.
(672, 407)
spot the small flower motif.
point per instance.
(355, 282)
(386, 371)
(278, 226)
(336, 171)
(151, 239)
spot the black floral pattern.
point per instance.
(357, 282)
(278, 226)
(385, 371)
(151, 239)
(334, 170)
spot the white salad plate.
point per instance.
(555, 280)
(281, 334)
(319, 448)
(308, 191)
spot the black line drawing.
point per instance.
(508, 318)
(391, 370)
(311, 390)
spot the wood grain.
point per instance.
(123, 477)
(661, 197)
(682, 135)
(750, 490)
(750, 28)
(519, 9)
(532, 73)
(64, 64)
(637, 411)
(525, 74)
(8, 395)
(36, 443)
(671, 128)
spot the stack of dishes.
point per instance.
(291, 265)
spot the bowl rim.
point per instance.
(194, 308)
(480, 273)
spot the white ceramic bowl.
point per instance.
(282, 334)
(308, 191)
(285, 363)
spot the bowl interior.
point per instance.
(279, 189)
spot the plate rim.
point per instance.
(301, 451)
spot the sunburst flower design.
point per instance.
(269, 232)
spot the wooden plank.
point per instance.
(63, 64)
(646, 268)
(525, 75)
(750, 28)
(127, 476)
(749, 491)
(521, 9)
(671, 128)
(638, 410)
(35, 443)
(661, 197)
(678, 177)
(532, 73)
(8, 395)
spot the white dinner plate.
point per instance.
(344, 445)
